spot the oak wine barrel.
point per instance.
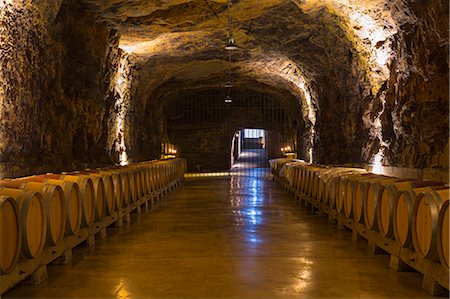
(117, 187)
(388, 199)
(10, 234)
(108, 190)
(73, 204)
(443, 234)
(371, 205)
(87, 195)
(33, 220)
(55, 205)
(353, 196)
(425, 222)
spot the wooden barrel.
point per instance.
(360, 198)
(299, 170)
(100, 197)
(344, 188)
(32, 219)
(388, 199)
(87, 194)
(327, 191)
(144, 180)
(310, 181)
(425, 222)
(108, 193)
(353, 195)
(135, 182)
(371, 205)
(55, 206)
(443, 234)
(335, 190)
(126, 188)
(117, 187)
(329, 186)
(301, 181)
(73, 204)
(153, 185)
(99, 193)
(10, 234)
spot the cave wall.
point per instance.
(73, 92)
(403, 122)
(54, 79)
(415, 123)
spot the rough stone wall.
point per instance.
(52, 87)
(415, 121)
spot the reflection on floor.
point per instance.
(252, 162)
(237, 237)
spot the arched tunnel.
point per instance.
(90, 85)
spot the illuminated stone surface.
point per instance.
(370, 76)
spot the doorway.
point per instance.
(249, 152)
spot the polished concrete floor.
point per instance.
(252, 162)
(227, 238)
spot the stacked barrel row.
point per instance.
(415, 213)
(41, 210)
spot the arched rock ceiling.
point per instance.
(295, 42)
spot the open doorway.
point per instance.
(249, 152)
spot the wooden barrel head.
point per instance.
(402, 219)
(423, 226)
(359, 198)
(36, 226)
(371, 205)
(443, 235)
(56, 216)
(88, 203)
(385, 213)
(109, 193)
(73, 207)
(125, 189)
(10, 234)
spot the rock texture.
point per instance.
(52, 93)
(368, 80)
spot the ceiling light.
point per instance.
(228, 99)
(228, 84)
(231, 45)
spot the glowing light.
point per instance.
(371, 27)
(121, 291)
(123, 158)
(121, 85)
(377, 167)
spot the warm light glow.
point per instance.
(121, 86)
(377, 167)
(372, 29)
(123, 158)
(121, 291)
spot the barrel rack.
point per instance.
(34, 271)
(435, 276)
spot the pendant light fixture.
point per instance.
(231, 44)
(229, 84)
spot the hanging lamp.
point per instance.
(231, 44)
